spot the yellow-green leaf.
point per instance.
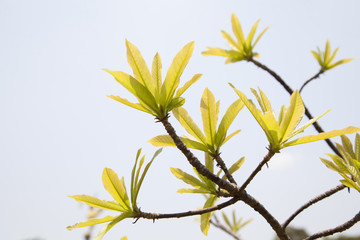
(292, 116)
(251, 34)
(137, 106)
(136, 88)
(139, 67)
(205, 218)
(221, 52)
(182, 89)
(174, 72)
(227, 120)
(90, 222)
(189, 179)
(107, 227)
(156, 74)
(95, 202)
(188, 124)
(322, 136)
(192, 190)
(115, 187)
(209, 116)
(233, 44)
(237, 30)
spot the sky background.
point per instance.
(59, 130)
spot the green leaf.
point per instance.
(139, 67)
(95, 202)
(175, 103)
(182, 89)
(156, 74)
(209, 116)
(222, 53)
(347, 145)
(174, 72)
(188, 124)
(231, 135)
(236, 166)
(107, 227)
(340, 62)
(189, 179)
(136, 88)
(233, 44)
(293, 116)
(139, 183)
(227, 120)
(209, 162)
(322, 136)
(260, 35)
(251, 34)
(133, 181)
(115, 187)
(357, 146)
(162, 141)
(91, 222)
(237, 30)
(205, 218)
(130, 104)
(192, 190)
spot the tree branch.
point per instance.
(337, 229)
(313, 201)
(188, 213)
(290, 91)
(222, 165)
(233, 189)
(219, 225)
(311, 79)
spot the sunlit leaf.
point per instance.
(237, 30)
(107, 227)
(205, 218)
(139, 67)
(182, 89)
(90, 222)
(322, 136)
(95, 202)
(189, 179)
(156, 74)
(174, 72)
(192, 190)
(208, 114)
(115, 187)
(130, 104)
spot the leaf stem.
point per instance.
(311, 79)
(337, 229)
(313, 201)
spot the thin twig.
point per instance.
(337, 229)
(313, 201)
(188, 213)
(311, 79)
(219, 225)
(290, 91)
(266, 159)
(222, 165)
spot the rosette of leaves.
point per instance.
(348, 164)
(241, 48)
(325, 58)
(155, 96)
(127, 207)
(280, 130)
(234, 223)
(202, 185)
(214, 136)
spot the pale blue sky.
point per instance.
(59, 130)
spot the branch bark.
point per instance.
(219, 225)
(311, 79)
(222, 165)
(313, 201)
(337, 229)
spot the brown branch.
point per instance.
(222, 165)
(188, 213)
(219, 225)
(313, 201)
(233, 189)
(337, 229)
(290, 91)
(311, 79)
(266, 159)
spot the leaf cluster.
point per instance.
(348, 164)
(155, 96)
(214, 135)
(117, 189)
(242, 47)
